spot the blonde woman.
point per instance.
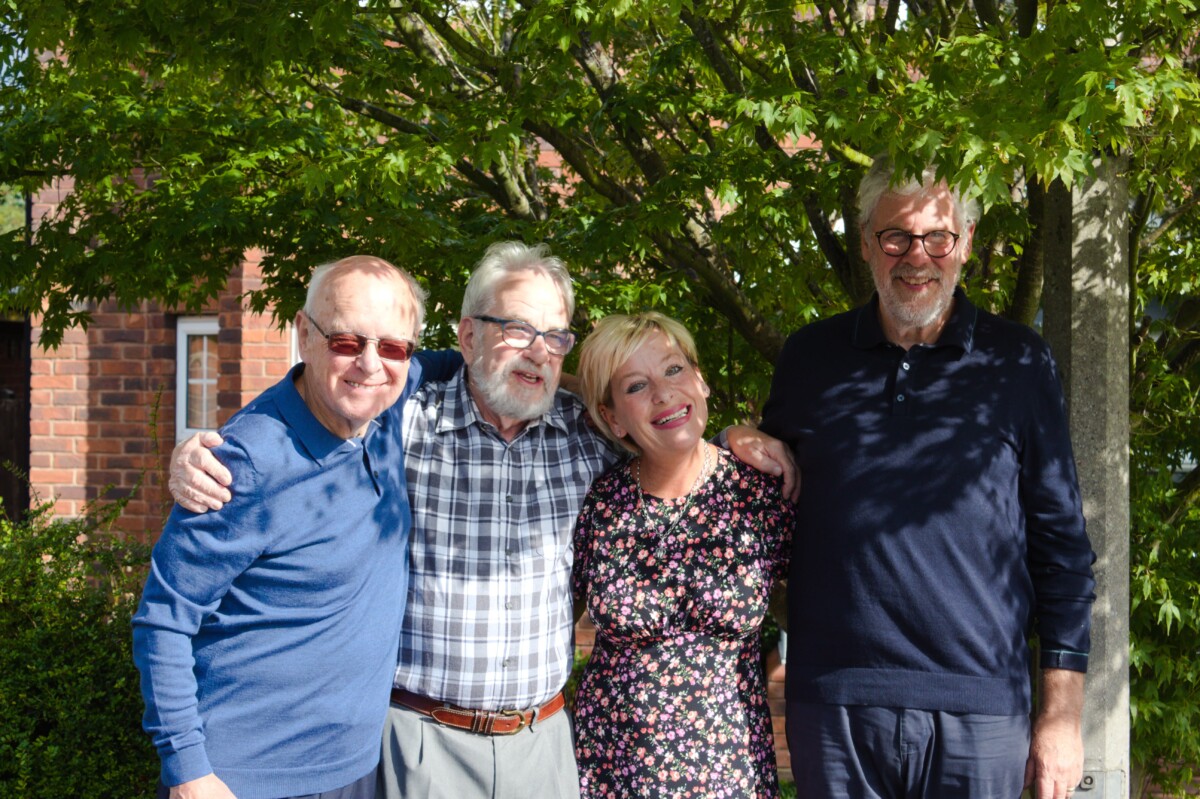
(676, 551)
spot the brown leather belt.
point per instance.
(482, 722)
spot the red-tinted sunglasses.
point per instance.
(390, 349)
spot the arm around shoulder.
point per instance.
(198, 480)
(768, 455)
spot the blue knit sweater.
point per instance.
(939, 523)
(267, 633)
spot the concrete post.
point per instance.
(1087, 326)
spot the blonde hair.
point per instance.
(611, 343)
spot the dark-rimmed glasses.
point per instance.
(342, 343)
(522, 335)
(937, 243)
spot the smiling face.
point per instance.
(360, 295)
(513, 386)
(916, 292)
(658, 399)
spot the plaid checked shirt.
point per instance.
(489, 618)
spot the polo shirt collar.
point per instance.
(314, 436)
(959, 330)
(459, 409)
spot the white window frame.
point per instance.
(185, 328)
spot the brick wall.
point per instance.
(102, 405)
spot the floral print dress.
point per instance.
(673, 702)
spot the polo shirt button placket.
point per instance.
(902, 382)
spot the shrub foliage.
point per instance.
(70, 710)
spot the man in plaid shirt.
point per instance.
(498, 463)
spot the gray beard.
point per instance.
(498, 397)
(913, 316)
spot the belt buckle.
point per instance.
(520, 717)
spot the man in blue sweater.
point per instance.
(267, 632)
(940, 525)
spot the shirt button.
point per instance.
(508, 498)
(899, 398)
(504, 663)
(905, 366)
(508, 603)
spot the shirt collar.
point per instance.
(959, 330)
(459, 409)
(314, 436)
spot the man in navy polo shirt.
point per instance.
(940, 525)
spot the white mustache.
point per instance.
(532, 368)
(914, 273)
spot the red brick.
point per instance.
(253, 369)
(121, 430)
(69, 460)
(103, 383)
(121, 462)
(139, 412)
(70, 398)
(55, 382)
(122, 366)
(54, 477)
(66, 509)
(69, 428)
(100, 477)
(94, 414)
(101, 446)
(43, 411)
(51, 444)
(119, 398)
(121, 336)
(137, 353)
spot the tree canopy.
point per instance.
(696, 156)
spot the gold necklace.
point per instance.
(642, 504)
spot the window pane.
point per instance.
(202, 382)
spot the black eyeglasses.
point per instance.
(390, 349)
(937, 243)
(521, 335)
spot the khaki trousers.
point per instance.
(425, 760)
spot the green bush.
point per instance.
(70, 710)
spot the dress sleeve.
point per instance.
(585, 526)
(778, 517)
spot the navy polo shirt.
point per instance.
(939, 522)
